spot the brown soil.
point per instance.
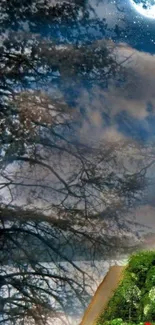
(103, 294)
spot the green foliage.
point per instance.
(134, 300)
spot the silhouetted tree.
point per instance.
(59, 190)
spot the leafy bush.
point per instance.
(134, 300)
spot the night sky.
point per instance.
(122, 111)
(135, 108)
(136, 34)
(133, 28)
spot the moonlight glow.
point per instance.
(144, 7)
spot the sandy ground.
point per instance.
(102, 295)
(99, 273)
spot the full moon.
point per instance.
(144, 7)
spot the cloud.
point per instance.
(129, 104)
(138, 89)
(145, 215)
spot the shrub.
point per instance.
(134, 300)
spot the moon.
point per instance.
(144, 7)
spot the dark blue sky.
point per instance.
(127, 24)
(138, 31)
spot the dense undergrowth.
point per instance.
(134, 300)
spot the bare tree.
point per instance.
(82, 189)
(59, 191)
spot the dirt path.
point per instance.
(102, 295)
